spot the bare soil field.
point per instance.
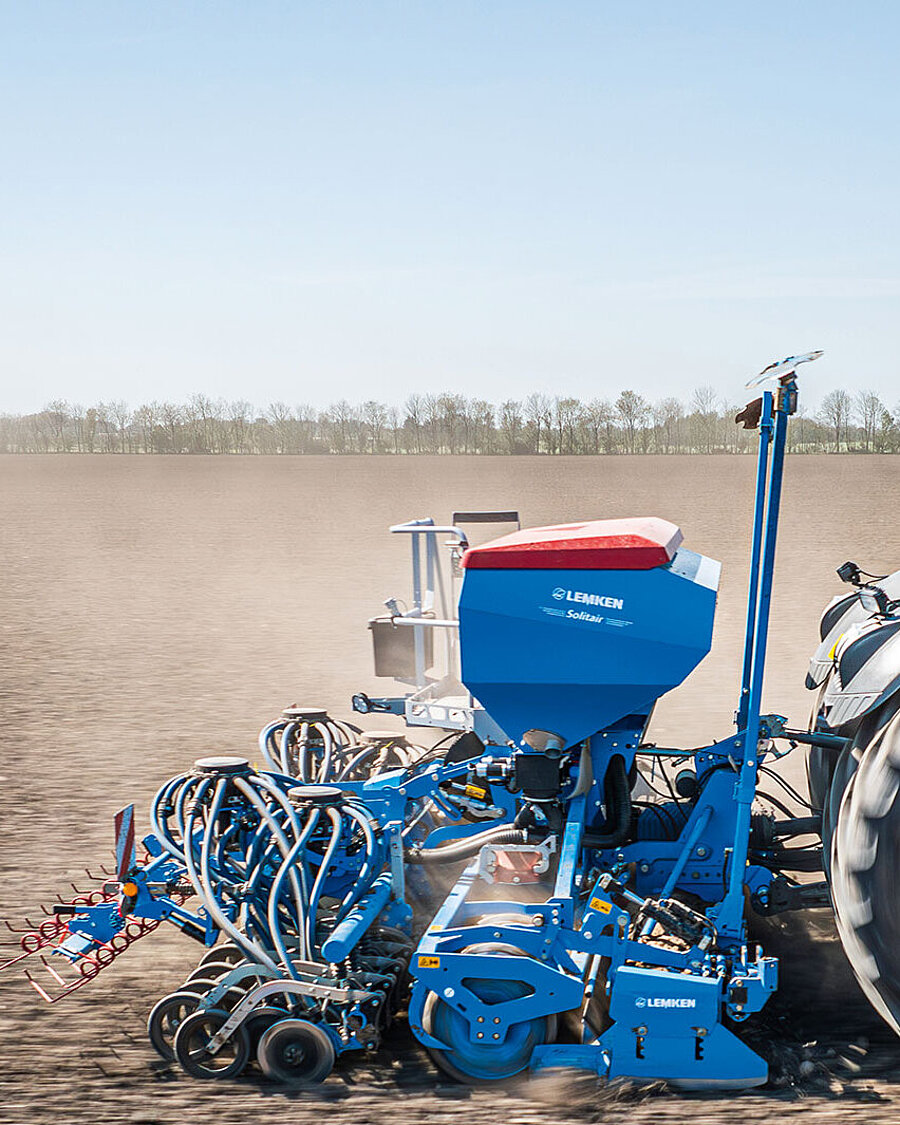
(155, 610)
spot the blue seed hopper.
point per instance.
(570, 628)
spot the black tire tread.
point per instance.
(865, 857)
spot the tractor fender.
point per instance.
(840, 614)
(867, 667)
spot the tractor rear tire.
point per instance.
(845, 768)
(820, 767)
(865, 860)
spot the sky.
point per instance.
(318, 199)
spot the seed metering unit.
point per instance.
(521, 886)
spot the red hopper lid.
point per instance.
(639, 543)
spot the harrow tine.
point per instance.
(77, 891)
(104, 870)
(66, 987)
(16, 960)
(94, 878)
(42, 992)
(53, 973)
(47, 913)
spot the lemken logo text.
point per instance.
(562, 595)
(664, 1002)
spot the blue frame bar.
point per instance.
(762, 467)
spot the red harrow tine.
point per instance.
(88, 966)
(68, 987)
(32, 940)
(13, 930)
(21, 957)
(54, 926)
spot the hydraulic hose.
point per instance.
(285, 751)
(312, 908)
(617, 791)
(283, 844)
(199, 877)
(466, 848)
(790, 859)
(287, 865)
(371, 864)
(267, 745)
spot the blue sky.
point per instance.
(312, 200)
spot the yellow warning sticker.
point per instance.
(476, 791)
(429, 962)
(600, 906)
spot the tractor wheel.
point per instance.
(820, 766)
(476, 1063)
(865, 859)
(167, 1016)
(820, 763)
(192, 1046)
(844, 769)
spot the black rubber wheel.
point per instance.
(228, 951)
(477, 1063)
(199, 984)
(845, 767)
(820, 767)
(165, 1018)
(865, 860)
(820, 762)
(296, 1052)
(192, 1046)
(259, 1021)
(210, 970)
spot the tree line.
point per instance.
(445, 424)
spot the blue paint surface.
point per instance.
(572, 651)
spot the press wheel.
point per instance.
(490, 1061)
(165, 1018)
(192, 1046)
(296, 1052)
